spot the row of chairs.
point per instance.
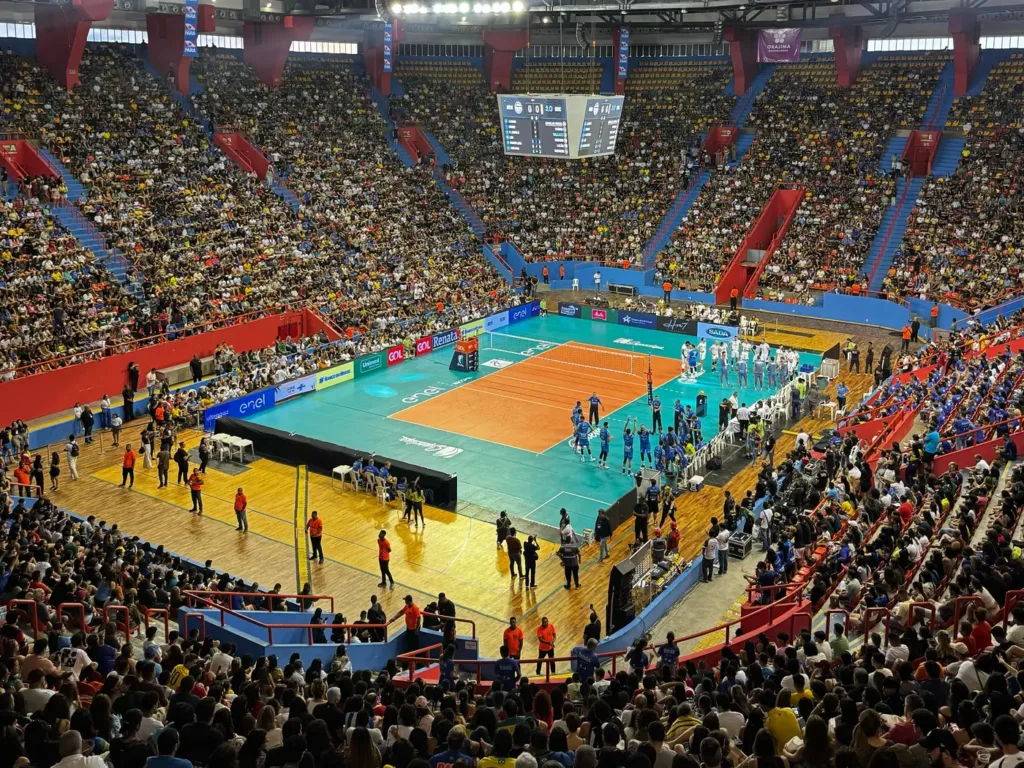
(228, 444)
(377, 486)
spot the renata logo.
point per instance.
(599, 314)
(396, 355)
(423, 345)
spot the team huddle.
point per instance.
(675, 447)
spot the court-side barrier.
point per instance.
(264, 399)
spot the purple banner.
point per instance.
(778, 45)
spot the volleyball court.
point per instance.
(527, 401)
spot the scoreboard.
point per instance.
(559, 125)
(600, 126)
(534, 125)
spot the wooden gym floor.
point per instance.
(453, 553)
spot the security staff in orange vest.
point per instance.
(195, 484)
(667, 288)
(544, 272)
(905, 345)
(241, 505)
(546, 643)
(734, 296)
(315, 526)
(561, 271)
(128, 467)
(935, 315)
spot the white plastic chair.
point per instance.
(575, 284)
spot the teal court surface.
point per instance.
(506, 430)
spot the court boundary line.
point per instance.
(561, 493)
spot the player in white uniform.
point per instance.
(764, 351)
(684, 364)
(702, 351)
(714, 355)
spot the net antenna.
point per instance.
(577, 355)
(650, 382)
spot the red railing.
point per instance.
(126, 625)
(149, 613)
(750, 291)
(31, 612)
(211, 595)
(127, 346)
(882, 613)
(74, 608)
(202, 622)
(888, 232)
(929, 123)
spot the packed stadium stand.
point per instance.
(340, 325)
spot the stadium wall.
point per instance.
(40, 394)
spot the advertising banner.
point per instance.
(677, 325)
(369, 364)
(444, 338)
(191, 28)
(494, 322)
(469, 330)
(602, 314)
(622, 62)
(717, 332)
(569, 310)
(388, 29)
(294, 387)
(240, 407)
(775, 46)
(638, 319)
(423, 346)
(396, 355)
(328, 377)
(518, 314)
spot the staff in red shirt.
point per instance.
(195, 484)
(241, 505)
(413, 620)
(315, 526)
(546, 643)
(128, 467)
(513, 638)
(384, 559)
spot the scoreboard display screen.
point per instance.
(559, 125)
(600, 128)
(534, 125)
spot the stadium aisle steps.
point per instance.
(673, 217)
(439, 151)
(382, 108)
(895, 146)
(745, 104)
(986, 61)
(897, 216)
(941, 101)
(87, 234)
(947, 158)
(184, 100)
(75, 189)
(282, 191)
(743, 143)
(468, 214)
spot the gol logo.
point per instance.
(599, 314)
(423, 345)
(396, 355)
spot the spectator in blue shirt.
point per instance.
(166, 746)
(448, 758)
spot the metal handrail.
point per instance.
(749, 291)
(148, 613)
(888, 232)
(32, 613)
(269, 596)
(71, 607)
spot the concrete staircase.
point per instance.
(673, 218)
(941, 101)
(741, 111)
(382, 108)
(743, 143)
(890, 231)
(75, 189)
(947, 158)
(986, 61)
(439, 151)
(895, 147)
(465, 210)
(89, 236)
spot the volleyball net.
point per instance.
(578, 355)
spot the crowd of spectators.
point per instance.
(376, 246)
(826, 139)
(56, 299)
(603, 208)
(961, 245)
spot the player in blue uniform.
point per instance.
(606, 437)
(577, 417)
(595, 404)
(723, 372)
(773, 373)
(645, 446)
(627, 448)
(677, 414)
(659, 455)
(656, 415)
(758, 373)
(506, 671)
(583, 439)
(741, 372)
(693, 360)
